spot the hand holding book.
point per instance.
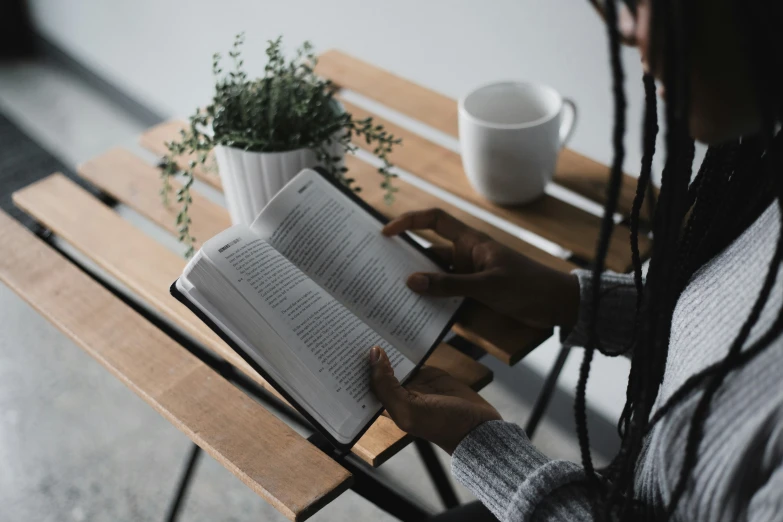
(491, 273)
(305, 290)
(433, 405)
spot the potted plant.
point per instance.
(264, 130)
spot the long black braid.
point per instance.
(692, 222)
(642, 187)
(607, 224)
(654, 324)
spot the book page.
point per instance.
(340, 246)
(332, 342)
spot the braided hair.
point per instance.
(692, 222)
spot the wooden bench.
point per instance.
(271, 458)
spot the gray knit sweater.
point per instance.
(739, 474)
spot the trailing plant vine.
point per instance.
(287, 108)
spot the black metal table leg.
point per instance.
(542, 401)
(437, 473)
(184, 484)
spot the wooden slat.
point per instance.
(511, 340)
(588, 177)
(574, 171)
(493, 332)
(128, 178)
(549, 217)
(262, 451)
(418, 102)
(148, 268)
(461, 367)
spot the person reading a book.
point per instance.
(702, 428)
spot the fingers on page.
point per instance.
(445, 285)
(440, 221)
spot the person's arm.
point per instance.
(519, 287)
(515, 481)
(501, 467)
(616, 314)
(498, 463)
(489, 272)
(491, 457)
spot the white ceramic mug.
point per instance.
(510, 135)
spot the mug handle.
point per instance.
(569, 121)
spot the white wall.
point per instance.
(160, 52)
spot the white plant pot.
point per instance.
(251, 179)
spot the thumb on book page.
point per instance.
(385, 385)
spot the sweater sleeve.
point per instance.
(616, 316)
(515, 481)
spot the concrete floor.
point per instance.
(75, 444)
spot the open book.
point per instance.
(306, 290)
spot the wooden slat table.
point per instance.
(295, 476)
